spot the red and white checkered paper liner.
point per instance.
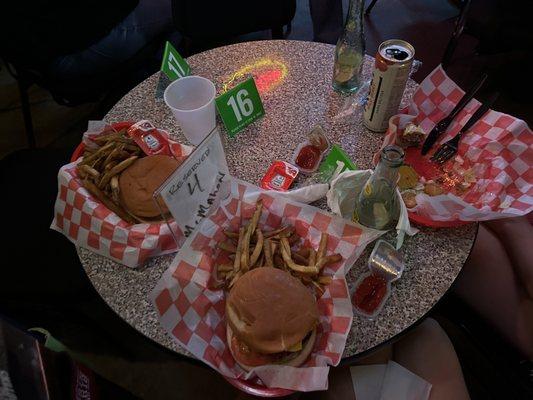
(193, 314)
(499, 148)
(86, 222)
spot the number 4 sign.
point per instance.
(240, 106)
(174, 66)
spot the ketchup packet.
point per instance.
(149, 139)
(279, 176)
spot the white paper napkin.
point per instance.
(388, 381)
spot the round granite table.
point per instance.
(295, 81)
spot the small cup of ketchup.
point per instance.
(371, 291)
(307, 157)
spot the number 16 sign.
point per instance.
(240, 106)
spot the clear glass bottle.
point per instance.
(377, 205)
(350, 51)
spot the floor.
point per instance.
(427, 24)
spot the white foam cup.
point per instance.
(192, 101)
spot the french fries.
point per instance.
(251, 247)
(258, 247)
(100, 168)
(96, 192)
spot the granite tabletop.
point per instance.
(294, 79)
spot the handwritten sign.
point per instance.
(198, 184)
(240, 106)
(173, 65)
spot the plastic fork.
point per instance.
(449, 149)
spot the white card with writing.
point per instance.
(197, 186)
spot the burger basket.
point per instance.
(87, 223)
(498, 149)
(192, 311)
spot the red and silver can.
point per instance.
(391, 70)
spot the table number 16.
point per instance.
(240, 106)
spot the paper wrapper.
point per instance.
(498, 148)
(193, 314)
(342, 197)
(86, 222)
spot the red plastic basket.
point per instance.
(410, 155)
(256, 388)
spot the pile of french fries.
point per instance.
(252, 247)
(100, 169)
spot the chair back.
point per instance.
(218, 20)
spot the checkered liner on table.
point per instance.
(86, 222)
(499, 147)
(193, 314)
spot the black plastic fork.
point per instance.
(448, 149)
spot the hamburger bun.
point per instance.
(292, 360)
(270, 311)
(139, 181)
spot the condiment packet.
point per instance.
(149, 139)
(279, 176)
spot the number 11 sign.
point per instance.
(240, 106)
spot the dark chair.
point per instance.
(214, 22)
(464, 6)
(105, 88)
(457, 32)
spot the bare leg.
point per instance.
(428, 352)
(489, 284)
(516, 235)
(381, 356)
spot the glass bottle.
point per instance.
(377, 205)
(350, 51)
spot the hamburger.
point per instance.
(138, 182)
(271, 319)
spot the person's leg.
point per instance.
(488, 284)
(327, 17)
(516, 235)
(428, 353)
(148, 20)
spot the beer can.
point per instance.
(391, 70)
